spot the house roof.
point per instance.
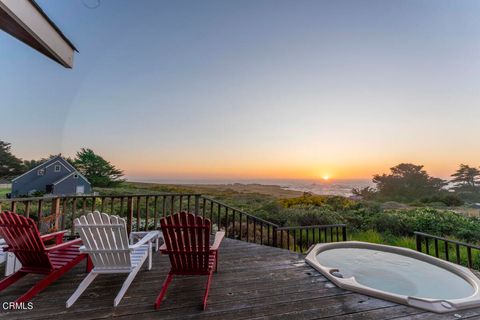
(48, 162)
(69, 175)
(26, 21)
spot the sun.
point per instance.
(326, 178)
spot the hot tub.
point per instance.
(397, 274)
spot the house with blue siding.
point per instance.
(55, 176)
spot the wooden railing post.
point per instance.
(55, 211)
(418, 242)
(138, 213)
(197, 204)
(129, 214)
(274, 236)
(74, 211)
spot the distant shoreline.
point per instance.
(276, 188)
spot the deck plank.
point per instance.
(253, 282)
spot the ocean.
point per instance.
(332, 187)
(341, 187)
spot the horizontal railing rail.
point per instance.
(448, 249)
(239, 224)
(143, 212)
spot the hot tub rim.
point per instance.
(429, 304)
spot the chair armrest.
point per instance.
(57, 235)
(218, 239)
(149, 237)
(3, 245)
(64, 245)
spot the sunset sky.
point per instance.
(252, 88)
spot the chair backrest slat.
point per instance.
(121, 240)
(106, 242)
(23, 239)
(192, 241)
(187, 239)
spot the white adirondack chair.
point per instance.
(105, 240)
(12, 264)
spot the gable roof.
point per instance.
(69, 175)
(69, 167)
(50, 161)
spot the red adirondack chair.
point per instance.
(187, 243)
(23, 239)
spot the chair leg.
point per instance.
(166, 283)
(149, 266)
(51, 277)
(205, 297)
(81, 288)
(39, 286)
(89, 266)
(125, 285)
(11, 279)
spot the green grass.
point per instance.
(3, 192)
(373, 236)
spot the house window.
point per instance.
(40, 172)
(75, 176)
(57, 168)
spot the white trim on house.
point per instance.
(69, 170)
(31, 18)
(63, 179)
(68, 176)
(34, 168)
(48, 163)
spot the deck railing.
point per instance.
(447, 249)
(143, 211)
(237, 223)
(305, 236)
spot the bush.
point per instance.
(469, 196)
(311, 215)
(389, 219)
(449, 200)
(332, 202)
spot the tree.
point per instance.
(10, 165)
(30, 164)
(407, 182)
(97, 170)
(366, 193)
(466, 178)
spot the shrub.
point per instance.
(449, 200)
(310, 215)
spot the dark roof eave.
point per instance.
(54, 26)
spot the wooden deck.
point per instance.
(253, 281)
